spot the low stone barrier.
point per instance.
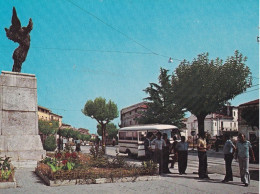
(54, 183)
(6, 185)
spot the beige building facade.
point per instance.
(129, 114)
(47, 115)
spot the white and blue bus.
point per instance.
(131, 139)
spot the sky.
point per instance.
(84, 49)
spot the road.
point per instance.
(173, 183)
(216, 163)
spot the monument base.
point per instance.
(19, 134)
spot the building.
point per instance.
(129, 114)
(84, 131)
(243, 127)
(47, 115)
(223, 121)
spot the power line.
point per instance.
(251, 90)
(119, 31)
(89, 50)
(254, 85)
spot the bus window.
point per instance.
(141, 136)
(122, 135)
(134, 135)
(128, 135)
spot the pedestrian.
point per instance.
(78, 149)
(147, 146)
(182, 149)
(174, 151)
(242, 153)
(217, 144)
(166, 154)
(114, 142)
(228, 150)
(158, 155)
(202, 154)
(97, 142)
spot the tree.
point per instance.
(161, 104)
(48, 127)
(50, 143)
(204, 86)
(75, 135)
(111, 130)
(85, 137)
(251, 115)
(63, 132)
(102, 112)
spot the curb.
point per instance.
(6, 185)
(56, 183)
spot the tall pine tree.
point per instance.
(161, 106)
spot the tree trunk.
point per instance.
(103, 126)
(201, 119)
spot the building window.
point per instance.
(234, 113)
(130, 122)
(215, 123)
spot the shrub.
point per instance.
(50, 143)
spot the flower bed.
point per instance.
(7, 179)
(69, 167)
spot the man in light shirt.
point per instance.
(158, 155)
(182, 149)
(242, 152)
(228, 150)
(202, 154)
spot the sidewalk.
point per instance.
(29, 183)
(253, 168)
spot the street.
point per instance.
(28, 182)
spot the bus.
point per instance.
(131, 139)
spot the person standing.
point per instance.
(217, 144)
(174, 151)
(228, 150)
(166, 154)
(147, 146)
(242, 153)
(158, 155)
(97, 142)
(182, 149)
(202, 154)
(114, 142)
(78, 149)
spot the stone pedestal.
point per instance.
(19, 134)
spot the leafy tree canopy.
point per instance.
(204, 85)
(161, 104)
(102, 112)
(48, 127)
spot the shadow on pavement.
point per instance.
(254, 175)
(38, 179)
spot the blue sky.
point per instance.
(83, 49)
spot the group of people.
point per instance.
(163, 149)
